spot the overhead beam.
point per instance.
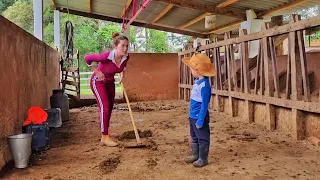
(226, 27)
(134, 23)
(227, 3)
(193, 21)
(210, 9)
(53, 2)
(125, 8)
(282, 7)
(162, 13)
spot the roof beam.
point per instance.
(125, 8)
(193, 21)
(207, 8)
(225, 27)
(282, 7)
(53, 2)
(134, 23)
(226, 3)
(162, 13)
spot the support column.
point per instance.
(57, 29)
(38, 19)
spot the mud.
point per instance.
(109, 165)
(152, 162)
(238, 150)
(131, 134)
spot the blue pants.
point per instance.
(202, 135)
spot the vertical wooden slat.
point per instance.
(179, 70)
(245, 62)
(229, 69)
(241, 70)
(304, 67)
(288, 79)
(296, 71)
(296, 82)
(274, 67)
(185, 82)
(233, 66)
(269, 85)
(219, 68)
(257, 70)
(262, 73)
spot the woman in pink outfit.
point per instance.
(102, 80)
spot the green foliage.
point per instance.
(156, 41)
(21, 14)
(4, 4)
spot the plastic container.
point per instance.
(60, 100)
(40, 136)
(54, 117)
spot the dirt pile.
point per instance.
(109, 165)
(131, 134)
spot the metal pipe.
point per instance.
(144, 5)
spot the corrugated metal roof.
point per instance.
(178, 16)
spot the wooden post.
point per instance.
(258, 70)
(288, 80)
(262, 73)
(245, 63)
(269, 85)
(179, 70)
(217, 84)
(296, 82)
(304, 67)
(274, 67)
(234, 72)
(229, 69)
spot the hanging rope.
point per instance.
(68, 40)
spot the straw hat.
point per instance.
(200, 63)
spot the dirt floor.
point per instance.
(238, 150)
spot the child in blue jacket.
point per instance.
(201, 68)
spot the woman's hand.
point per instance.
(100, 75)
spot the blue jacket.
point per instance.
(199, 100)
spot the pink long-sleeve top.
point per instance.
(107, 64)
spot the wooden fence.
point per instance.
(256, 80)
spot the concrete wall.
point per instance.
(29, 72)
(152, 76)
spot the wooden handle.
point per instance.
(134, 126)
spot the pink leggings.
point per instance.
(104, 92)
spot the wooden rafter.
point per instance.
(210, 9)
(226, 3)
(282, 7)
(53, 2)
(193, 21)
(221, 28)
(160, 27)
(162, 13)
(125, 8)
